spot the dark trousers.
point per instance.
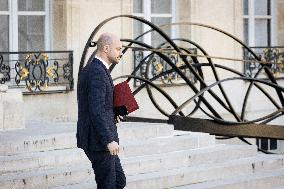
(107, 168)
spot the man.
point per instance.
(96, 129)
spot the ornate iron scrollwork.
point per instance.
(4, 71)
(158, 66)
(35, 72)
(39, 72)
(272, 57)
(68, 70)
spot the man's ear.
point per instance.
(106, 48)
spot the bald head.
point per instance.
(106, 39)
(109, 48)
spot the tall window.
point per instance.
(258, 22)
(259, 16)
(159, 12)
(4, 26)
(24, 25)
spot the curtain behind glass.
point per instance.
(161, 6)
(138, 6)
(262, 32)
(262, 7)
(156, 38)
(3, 5)
(4, 33)
(31, 5)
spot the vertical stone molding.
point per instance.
(12, 114)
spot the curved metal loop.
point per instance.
(229, 79)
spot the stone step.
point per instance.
(132, 165)
(153, 156)
(158, 145)
(191, 175)
(128, 131)
(205, 172)
(37, 143)
(140, 164)
(166, 144)
(50, 136)
(186, 158)
(47, 178)
(270, 179)
(41, 160)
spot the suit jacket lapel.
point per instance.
(108, 74)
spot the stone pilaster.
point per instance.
(12, 114)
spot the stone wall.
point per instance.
(73, 22)
(280, 22)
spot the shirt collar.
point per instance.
(104, 62)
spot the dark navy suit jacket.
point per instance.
(96, 124)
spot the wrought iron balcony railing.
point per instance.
(270, 56)
(37, 71)
(152, 65)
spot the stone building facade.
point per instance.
(53, 25)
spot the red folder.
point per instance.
(123, 97)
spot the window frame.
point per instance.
(146, 14)
(272, 41)
(252, 17)
(14, 14)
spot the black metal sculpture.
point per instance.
(218, 125)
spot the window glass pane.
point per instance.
(245, 4)
(156, 38)
(264, 144)
(137, 29)
(137, 6)
(273, 144)
(4, 5)
(4, 45)
(4, 33)
(161, 6)
(262, 32)
(31, 5)
(262, 7)
(246, 31)
(31, 33)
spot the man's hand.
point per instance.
(120, 110)
(113, 148)
(118, 119)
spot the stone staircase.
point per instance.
(154, 156)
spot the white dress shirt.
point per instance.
(104, 63)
